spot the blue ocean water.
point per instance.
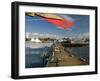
(37, 57)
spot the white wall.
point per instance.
(5, 44)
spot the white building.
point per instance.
(35, 40)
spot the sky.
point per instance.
(37, 24)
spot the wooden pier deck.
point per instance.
(67, 59)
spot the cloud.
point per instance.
(83, 35)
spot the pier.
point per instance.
(61, 57)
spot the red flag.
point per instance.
(55, 19)
(62, 23)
